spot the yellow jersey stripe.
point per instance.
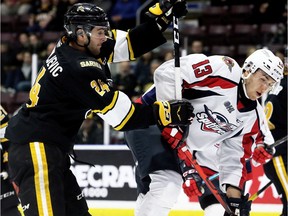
(5, 157)
(281, 172)
(4, 125)
(126, 119)
(130, 49)
(2, 140)
(114, 32)
(110, 106)
(41, 178)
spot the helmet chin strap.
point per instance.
(244, 84)
(85, 45)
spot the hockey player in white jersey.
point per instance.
(157, 177)
(224, 97)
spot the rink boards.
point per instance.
(110, 188)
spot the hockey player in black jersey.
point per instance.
(9, 203)
(73, 83)
(276, 113)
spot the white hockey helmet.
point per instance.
(265, 60)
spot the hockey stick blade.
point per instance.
(255, 195)
(215, 191)
(280, 141)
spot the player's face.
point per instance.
(258, 84)
(97, 38)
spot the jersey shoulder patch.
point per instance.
(89, 63)
(229, 62)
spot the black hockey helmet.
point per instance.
(85, 16)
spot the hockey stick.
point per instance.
(252, 197)
(178, 96)
(176, 40)
(214, 190)
(255, 195)
(211, 178)
(280, 141)
(177, 74)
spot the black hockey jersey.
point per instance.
(72, 84)
(276, 113)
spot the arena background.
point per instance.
(109, 186)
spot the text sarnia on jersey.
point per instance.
(90, 64)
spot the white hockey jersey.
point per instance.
(211, 84)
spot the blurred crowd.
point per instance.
(25, 25)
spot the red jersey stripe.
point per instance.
(212, 82)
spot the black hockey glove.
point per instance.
(160, 8)
(173, 113)
(164, 17)
(180, 9)
(240, 206)
(107, 48)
